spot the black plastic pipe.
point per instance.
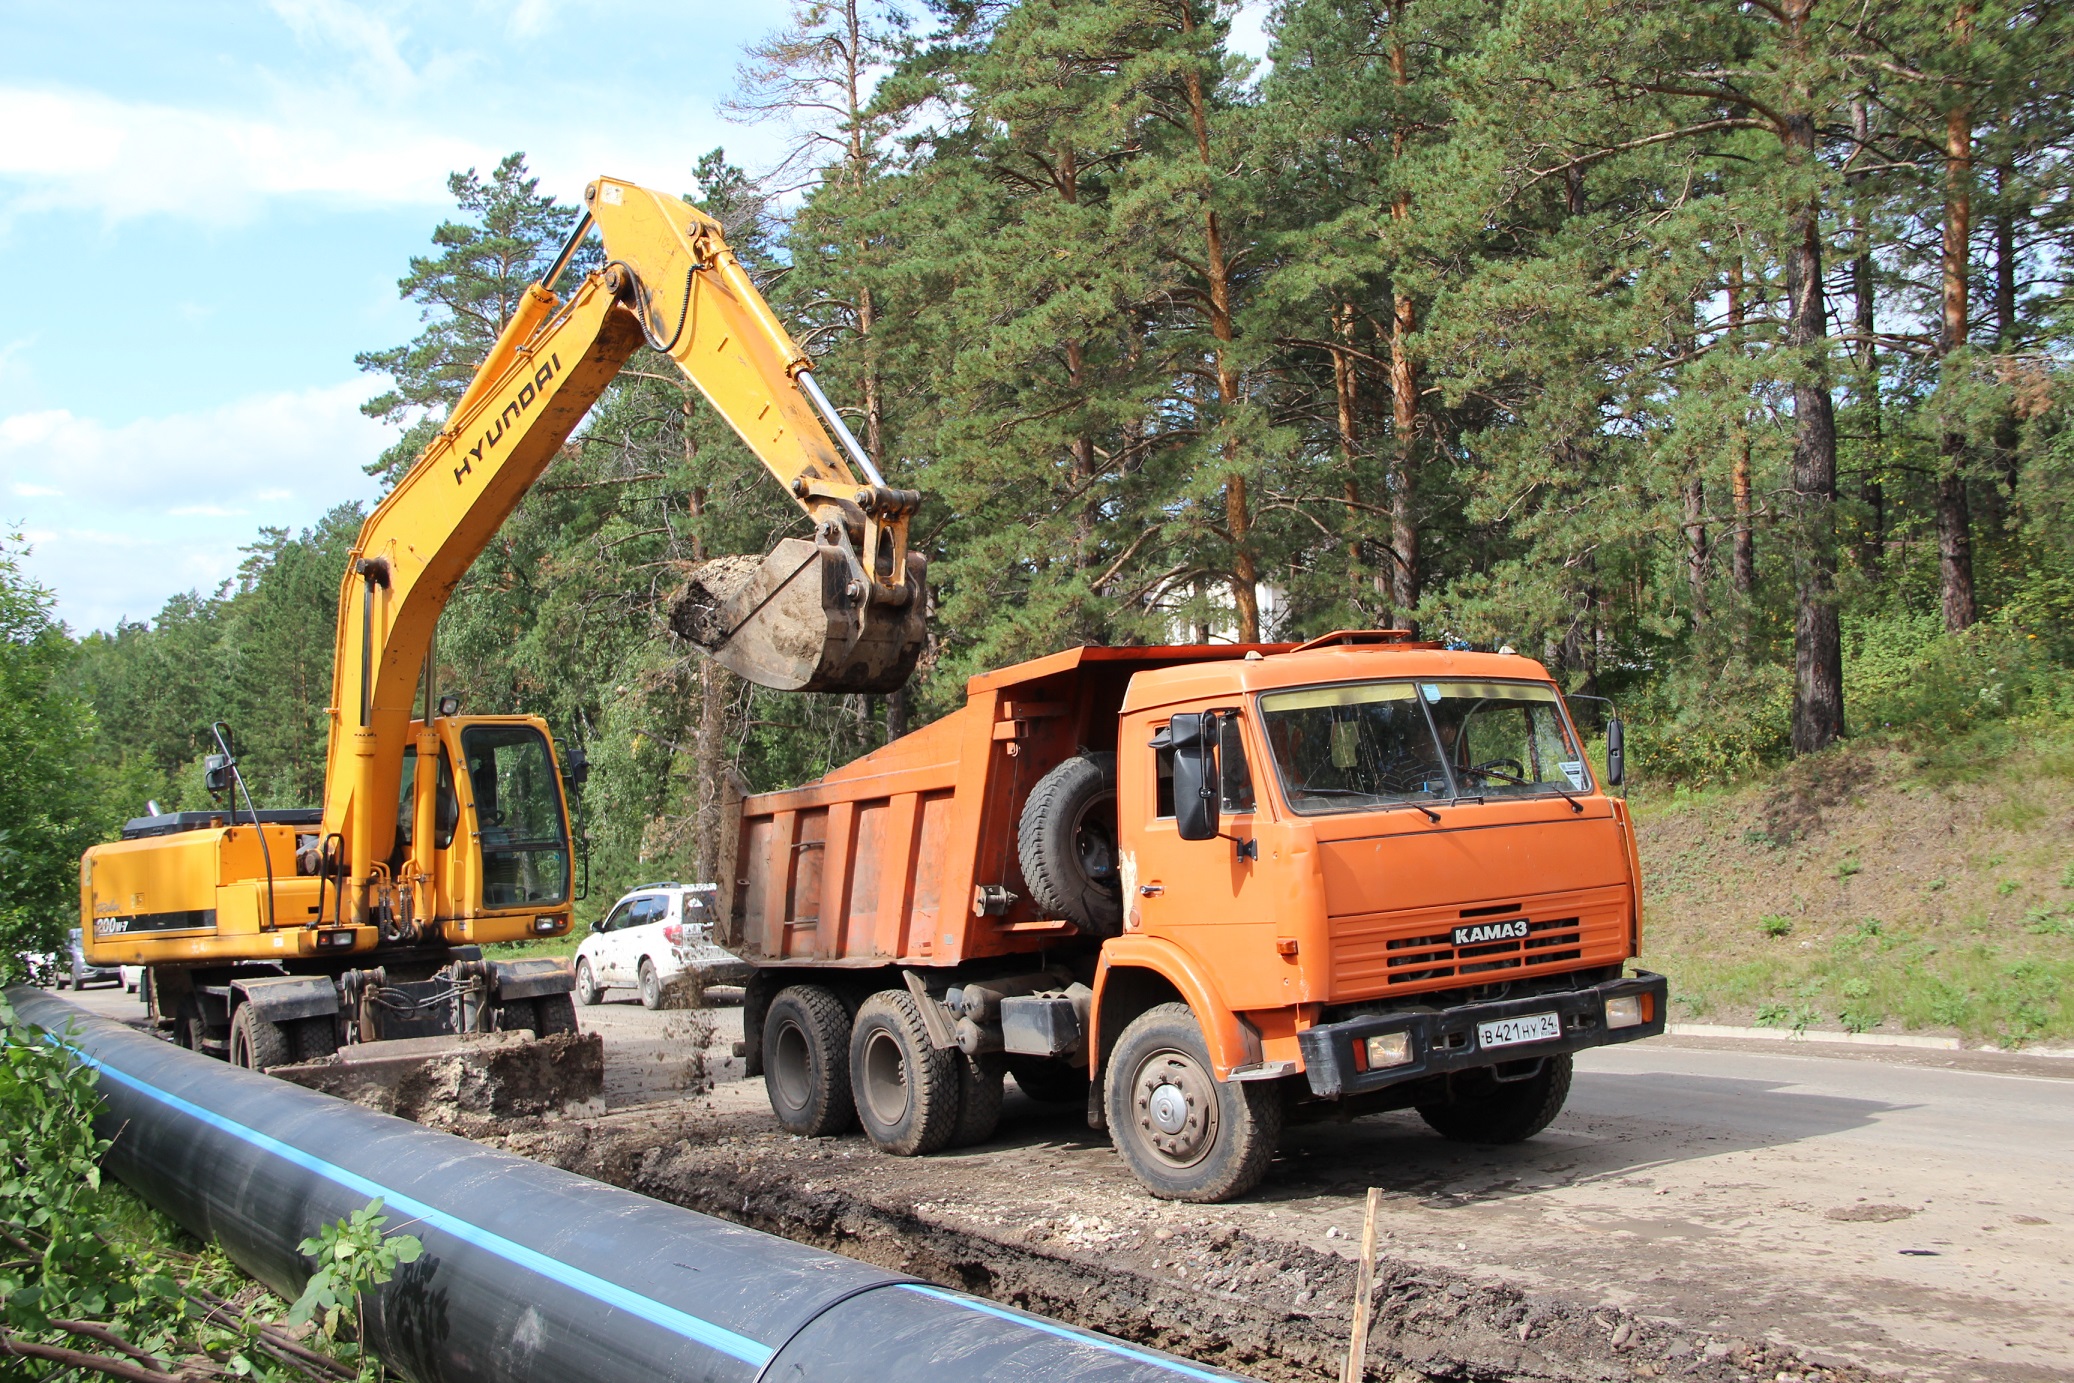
(531, 1273)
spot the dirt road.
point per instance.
(1699, 1210)
(1849, 1210)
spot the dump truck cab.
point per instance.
(1392, 820)
(1206, 891)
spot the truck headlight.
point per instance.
(1386, 1050)
(1628, 1011)
(544, 925)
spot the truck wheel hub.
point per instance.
(1169, 1109)
(1176, 1108)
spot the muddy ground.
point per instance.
(1816, 1225)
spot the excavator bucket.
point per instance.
(801, 619)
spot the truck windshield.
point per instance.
(518, 816)
(1367, 744)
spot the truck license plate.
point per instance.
(1510, 1032)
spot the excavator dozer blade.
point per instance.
(799, 620)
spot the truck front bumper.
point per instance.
(1435, 1041)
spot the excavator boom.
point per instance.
(839, 611)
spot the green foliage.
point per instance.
(48, 812)
(1431, 324)
(1776, 925)
(353, 1257)
(91, 1273)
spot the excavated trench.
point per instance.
(1159, 1275)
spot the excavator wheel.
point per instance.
(799, 620)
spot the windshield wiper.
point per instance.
(1575, 804)
(1431, 815)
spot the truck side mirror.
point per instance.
(579, 767)
(1193, 736)
(1616, 752)
(216, 773)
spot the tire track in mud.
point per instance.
(1215, 1294)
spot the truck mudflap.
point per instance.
(1435, 1041)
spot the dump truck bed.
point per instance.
(878, 862)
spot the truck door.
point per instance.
(1193, 882)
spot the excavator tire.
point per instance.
(798, 620)
(557, 1014)
(313, 1038)
(256, 1043)
(1066, 844)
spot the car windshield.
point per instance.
(1367, 744)
(518, 815)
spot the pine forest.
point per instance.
(1715, 354)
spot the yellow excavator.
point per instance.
(276, 937)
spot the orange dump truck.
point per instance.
(1208, 890)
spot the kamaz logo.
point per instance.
(1513, 930)
(513, 411)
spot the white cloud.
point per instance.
(81, 150)
(374, 48)
(162, 505)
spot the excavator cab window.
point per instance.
(518, 816)
(446, 807)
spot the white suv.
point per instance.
(652, 935)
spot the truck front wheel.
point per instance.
(907, 1089)
(1488, 1110)
(1185, 1134)
(806, 1061)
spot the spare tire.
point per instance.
(1066, 844)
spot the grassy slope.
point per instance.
(1874, 889)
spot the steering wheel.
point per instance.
(1519, 770)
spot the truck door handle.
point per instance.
(1151, 890)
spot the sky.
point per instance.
(204, 209)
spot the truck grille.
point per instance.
(1379, 953)
(1437, 957)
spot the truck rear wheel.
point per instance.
(979, 1098)
(1066, 844)
(906, 1088)
(1185, 1134)
(1487, 1110)
(255, 1043)
(806, 1061)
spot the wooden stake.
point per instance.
(1357, 1346)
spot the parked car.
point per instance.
(650, 937)
(132, 978)
(83, 972)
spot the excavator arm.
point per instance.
(839, 611)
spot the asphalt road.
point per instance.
(1904, 1216)
(1907, 1212)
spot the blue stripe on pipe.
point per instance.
(751, 1352)
(1067, 1332)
